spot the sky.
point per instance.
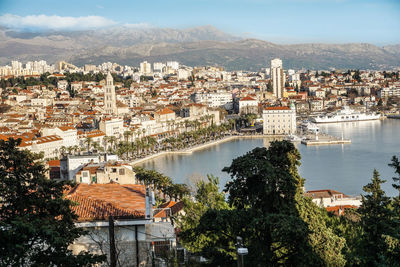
(278, 21)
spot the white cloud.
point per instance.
(45, 22)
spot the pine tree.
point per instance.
(36, 221)
(376, 223)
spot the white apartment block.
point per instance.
(158, 66)
(279, 120)
(387, 92)
(173, 64)
(49, 145)
(145, 67)
(62, 84)
(68, 134)
(215, 99)
(112, 127)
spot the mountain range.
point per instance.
(197, 46)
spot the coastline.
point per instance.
(188, 151)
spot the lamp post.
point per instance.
(240, 250)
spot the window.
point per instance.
(114, 170)
(121, 171)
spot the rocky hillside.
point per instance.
(195, 46)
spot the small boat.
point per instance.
(309, 126)
(293, 138)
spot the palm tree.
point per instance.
(127, 134)
(112, 140)
(77, 149)
(88, 141)
(62, 150)
(70, 149)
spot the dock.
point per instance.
(324, 139)
(393, 116)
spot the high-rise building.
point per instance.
(145, 67)
(109, 96)
(277, 77)
(158, 66)
(173, 64)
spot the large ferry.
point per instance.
(346, 114)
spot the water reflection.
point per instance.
(343, 167)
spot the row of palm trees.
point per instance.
(147, 145)
(161, 184)
(196, 132)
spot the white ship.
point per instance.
(346, 114)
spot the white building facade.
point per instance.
(277, 77)
(279, 120)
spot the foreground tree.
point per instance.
(268, 210)
(36, 222)
(377, 225)
(207, 197)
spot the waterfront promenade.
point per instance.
(190, 150)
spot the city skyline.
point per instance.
(289, 21)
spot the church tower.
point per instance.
(110, 105)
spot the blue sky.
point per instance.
(279, 21)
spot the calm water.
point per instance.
(345, 168)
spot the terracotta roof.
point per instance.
(66, 128)
(325, 193)
(53, 163)
(338, 210)
(98, 201)
(277, 108)
(247, 98)
(165, 111)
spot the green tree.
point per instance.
(37, 223)
(394, 241)
(376, 223)
(207, 197)
(267, 208)
(269, 87)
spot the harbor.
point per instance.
(324, 139)
(310, 135)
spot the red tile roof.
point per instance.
(277, 108)
(247, 98)
(98, 201)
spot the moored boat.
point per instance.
(346, 114)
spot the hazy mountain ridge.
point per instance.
(195, 46)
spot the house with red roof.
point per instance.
(248, 105)
(131, 209)
(329, 198)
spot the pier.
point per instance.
(323, 139)
(393, 116)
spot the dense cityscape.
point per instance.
(200, 133)
(93, 124)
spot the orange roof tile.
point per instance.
(98, 201)
(277, 108)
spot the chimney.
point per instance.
(149, 203)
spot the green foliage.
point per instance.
(377, 224)
(207, 197)
(160, 182)
(37, 223)
(269, 87)
(267, 208)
